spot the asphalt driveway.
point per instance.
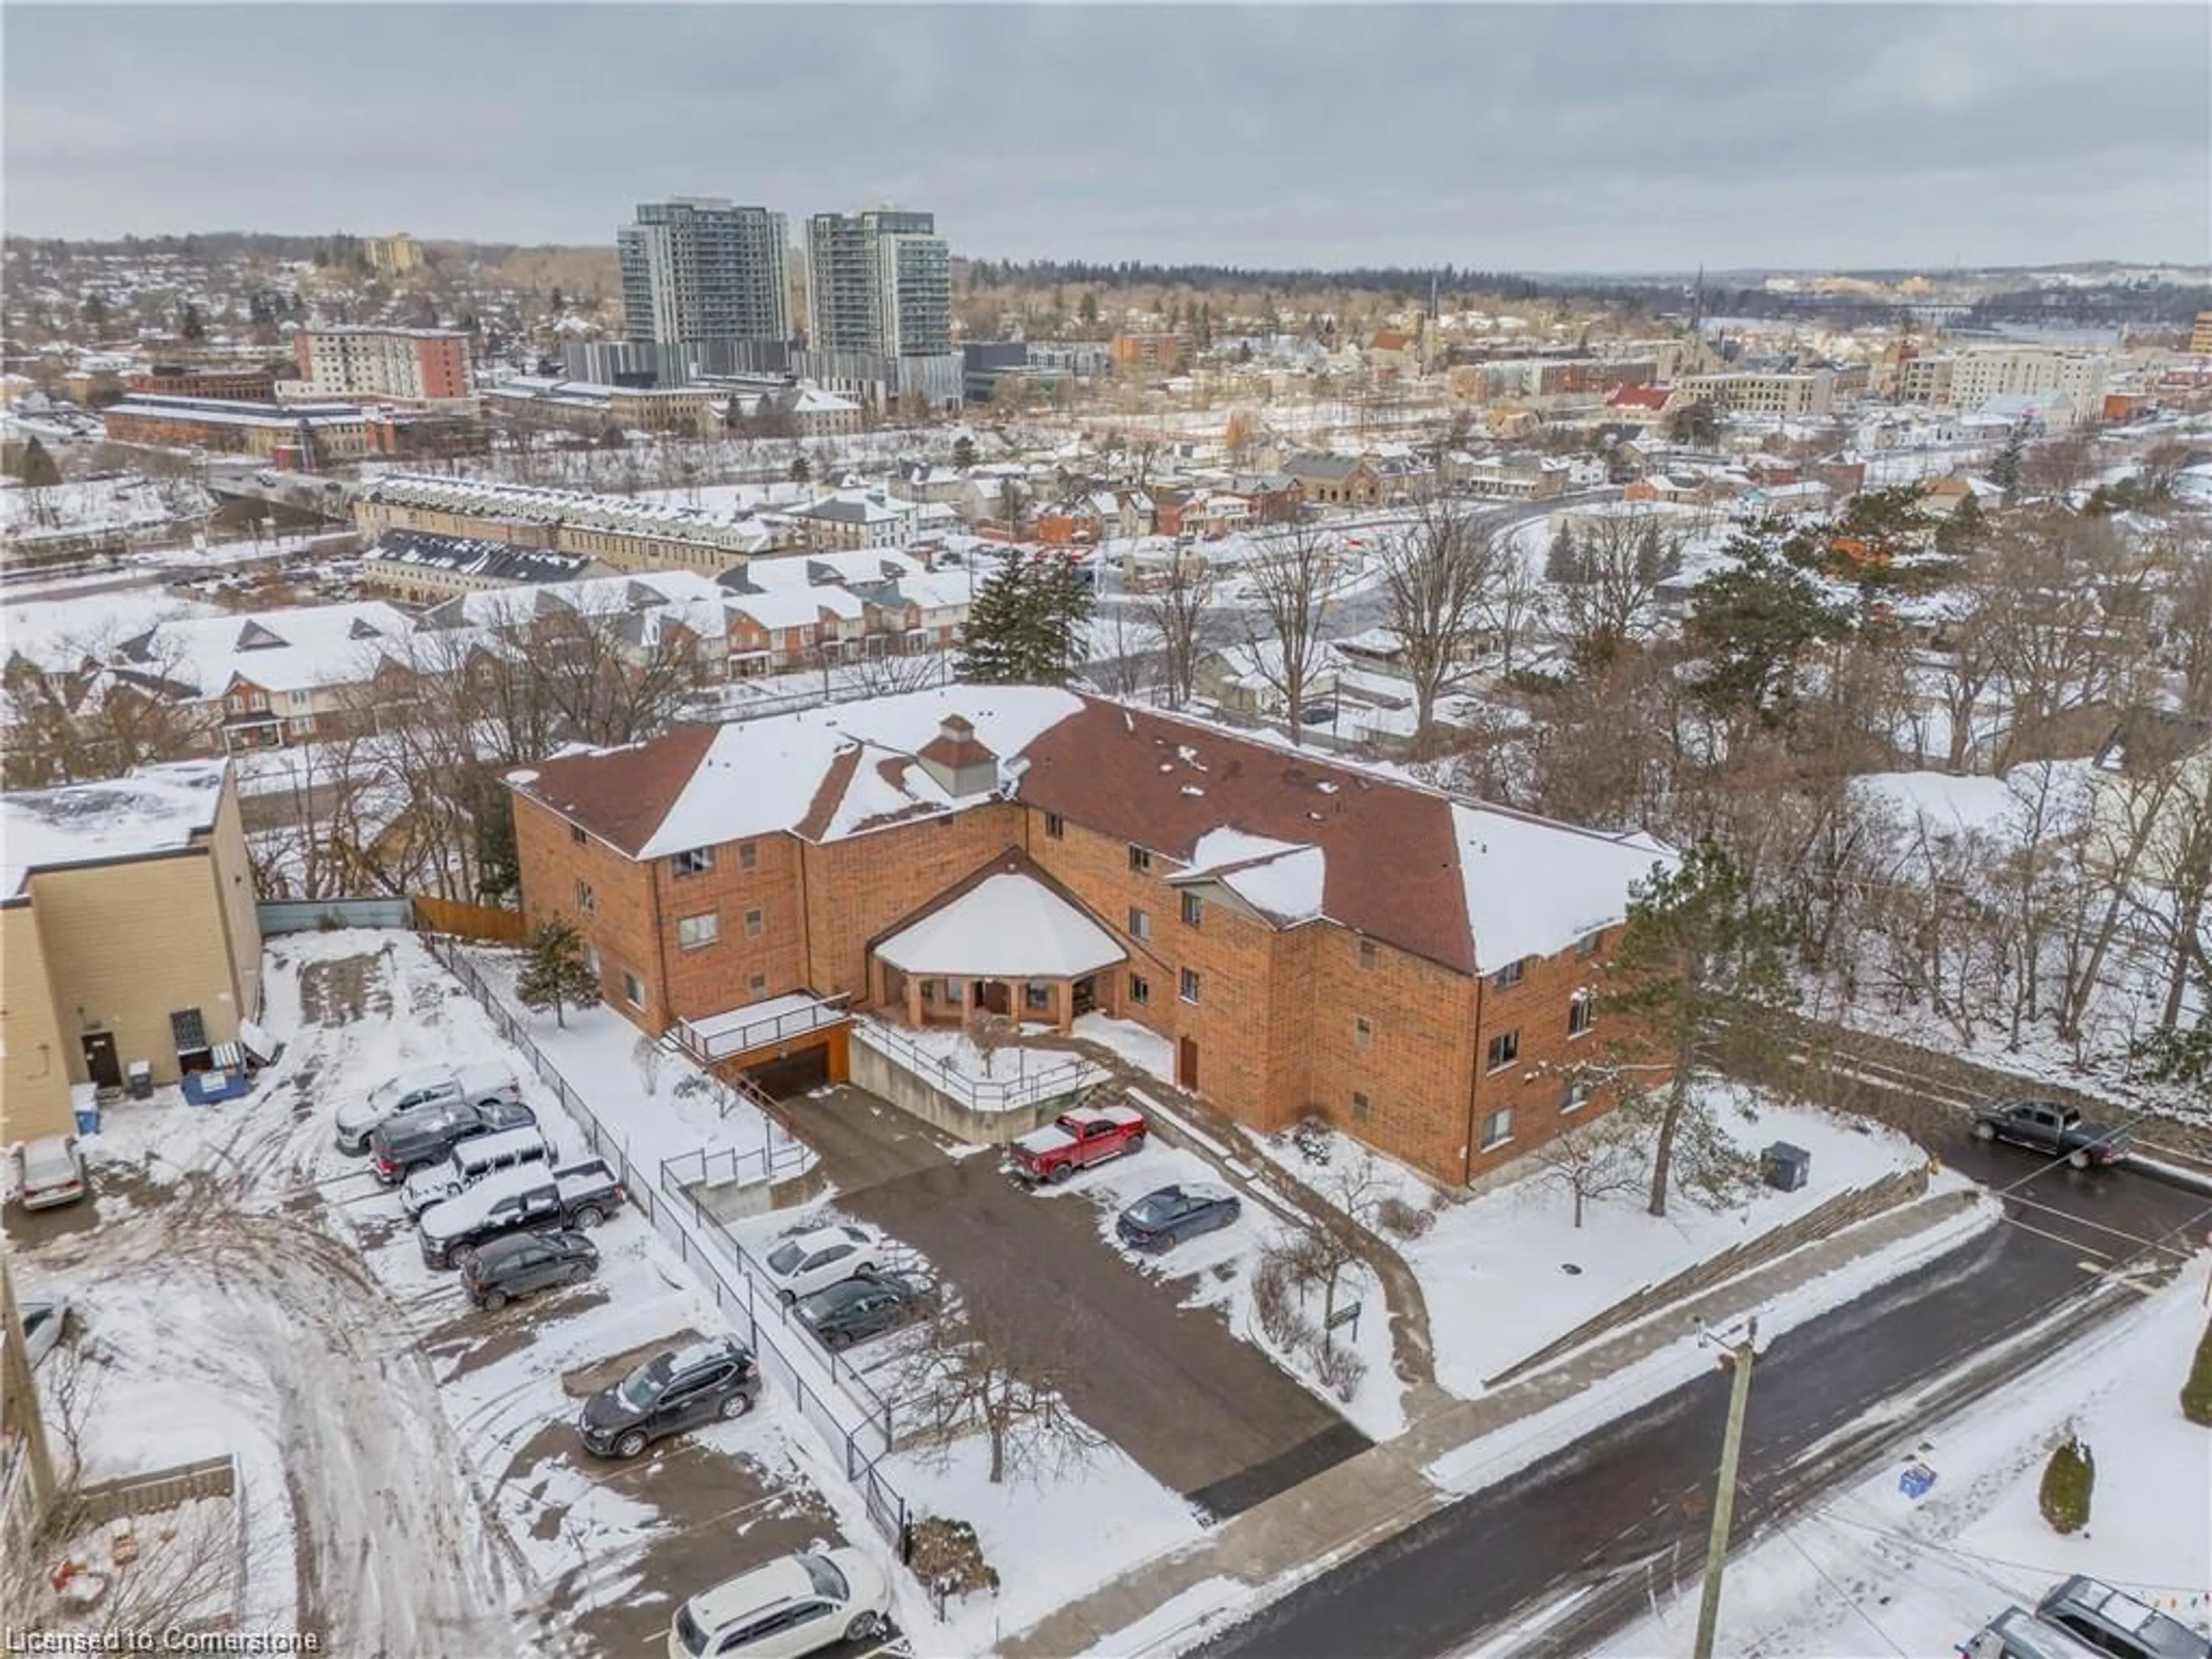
(1198, 1409)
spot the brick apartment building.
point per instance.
(1311, 939)
(250, 386)
(414, 365)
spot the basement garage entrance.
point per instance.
(794, 1073)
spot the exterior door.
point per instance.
(101, 1061)
(1187, 1062)
(994, 997)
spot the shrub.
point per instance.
(948, 1558)
(1276, 1302)
(1339, 1370)
(2196, 1392)
(2068, 1480)
(1395, 1217)
(1311, 1138)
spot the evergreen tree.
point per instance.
(963, 453)
(499, 872)
(801, 472)
(990, 645)
(1754, 623)
(37, 468)
(2196, 1390)
(191, 326)
(1961, 533)
(1701, 967)
(1563, 563)
(2069, 1480)
(556, 973)
(1027, 626)
(2004, 471)
(1087, 309)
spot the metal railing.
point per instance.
(861, 1443)
(724, 1166)
(755, 1034)
(978, 1094)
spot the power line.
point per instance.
(1849, 1601)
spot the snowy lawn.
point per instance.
(1142, 1046)
(657, 1105)
(1496, 1268)
(1215, 1270)
(1926, 1575)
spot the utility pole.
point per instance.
(1709, 1606)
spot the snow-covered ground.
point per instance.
(84, 506)
(658, 1105)
(1013, 1076)
(1506, 1273)
(1141, 1045)
(1870, 1570)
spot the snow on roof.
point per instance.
(153, 809)
(1007, 927)
(300, 650)
(1280, 879)
(1532, 887)
(791, 606)
(764, 775)
(58, 633)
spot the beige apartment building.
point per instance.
(1795, 396)
(127, 933)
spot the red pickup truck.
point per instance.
(1077, 1140)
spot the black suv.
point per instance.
(669, 1394)
(516, 1266)
(415, 1141)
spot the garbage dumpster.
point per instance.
(1787, 1167)
(141, 1079)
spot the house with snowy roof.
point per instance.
(1306, 938)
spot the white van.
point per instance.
(472, 1160)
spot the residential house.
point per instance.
(128, 935)
(1306, 938)
(918, 613)
(1335, 480)
(867, 520)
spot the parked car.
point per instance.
(425, 1136)
(1161, 1221)
(2115, 1623)
(527, 1200)
(524, 1262)
(670, 1393)
(804, 1262)
(50, 1172)
(472, 1161)
(2046, 1126)
(45, 1319)
(1077, 1140)
(785, 1609)
(861, 1308)
(430, 1086)
(2016, 1633)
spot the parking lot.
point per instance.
(1200, 1410)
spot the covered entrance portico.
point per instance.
(1009, 946)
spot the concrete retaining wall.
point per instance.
(879, 1074)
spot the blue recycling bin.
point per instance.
(87, 1120)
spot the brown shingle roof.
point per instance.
(1392, 852)
(623, 796)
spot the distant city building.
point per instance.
(304, 435)
(1793, 396)
(878, 280)
(413, 365)
(699, 270)
(1158, 353)
(2200, 337)
(396, 255)
(1973, 378)
(251, 385)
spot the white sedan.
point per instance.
(804, 1262)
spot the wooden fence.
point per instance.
(476, 921)
(149, 1494)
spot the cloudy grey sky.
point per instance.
(1558, 137)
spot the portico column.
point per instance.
(914, 1000)
(1063, 1006)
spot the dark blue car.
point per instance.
(1162, 1220)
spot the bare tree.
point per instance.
(1610, 608)
(887, 673)
(1290, 580)
(974, 1372)
(1180, 609)
(1438, 572)
(1513, 608)
(1593, 1159)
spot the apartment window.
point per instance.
(692, 933)
(1139, 860)
(1505, 1048)
(755, 924)
(1577, 1093)
(757, 984)
(1588, 944)
(1056, 826)
(1497, 1128)
(1140, 990)
(1368, 955)
(1362, 1107)
(1508, 977)
(1036, 998)
(632, 989)
(586, 900)
(1190, 985)
(1140, 924)
(1194, 910)
(1363, 1031)
(748, 854)
(591, 960)
(1579, 1008)
(576, 835)
(696, 862)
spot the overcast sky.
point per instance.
(1564, 138)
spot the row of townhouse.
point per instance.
(620, 531)
(1307, 938)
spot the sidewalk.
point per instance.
(1359, 1502)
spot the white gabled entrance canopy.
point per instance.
(1007, 927)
